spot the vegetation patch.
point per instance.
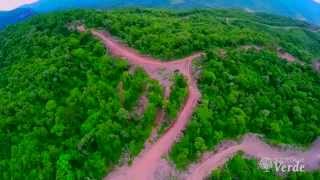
(241, 168)
(176, 100)
(251, 91)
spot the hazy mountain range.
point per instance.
(11, 17)
(308, 10)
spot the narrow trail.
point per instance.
(316, 65)
(145, 165)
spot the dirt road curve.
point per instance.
(254, 147)
(145, 165)
(154, 67)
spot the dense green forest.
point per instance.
(67, 108)
(251, 91)
(168, 34)
(240, 168)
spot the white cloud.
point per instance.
(317, 1)
(7, 5)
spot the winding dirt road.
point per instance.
(145, 165)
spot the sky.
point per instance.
(7, 5)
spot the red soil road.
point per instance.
(253, 146)
(316, 65)
(145, 165)
(285, 55)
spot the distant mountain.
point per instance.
(17, 15)
(50, 5)
(307, 10)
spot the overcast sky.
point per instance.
(6, 5)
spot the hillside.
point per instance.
(70, 109)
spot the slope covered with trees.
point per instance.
(66, 108)
(168, 34)
(251, 91)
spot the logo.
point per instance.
(266, 164)
(282, 165)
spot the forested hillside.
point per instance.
(251, 91)
(68, 108)
(186, 32)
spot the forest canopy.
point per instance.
(66, 108)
